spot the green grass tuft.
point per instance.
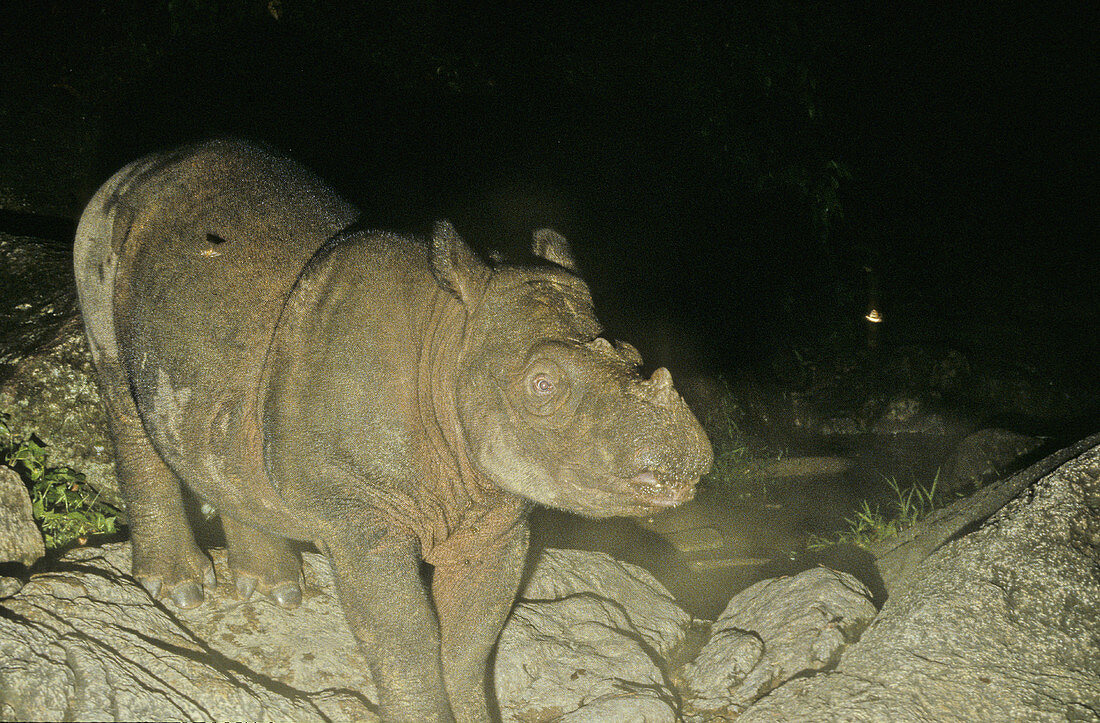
(65, 507)
(870, 525)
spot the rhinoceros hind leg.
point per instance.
(264, 562)
(165, 556)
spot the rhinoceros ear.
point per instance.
(549, 244)
(454, 264)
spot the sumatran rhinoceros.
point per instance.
(388, 398)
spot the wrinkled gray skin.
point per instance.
(388, 399)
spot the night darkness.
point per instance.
(734, 178)
(673, 142)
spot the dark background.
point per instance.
(726, 171)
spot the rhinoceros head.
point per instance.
(549, 409)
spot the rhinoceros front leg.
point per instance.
(473, 594)
(264, 562)
(386, 605)
(165, 556)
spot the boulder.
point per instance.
(983, 456)
(587, 642)
(20, 538)
(999, 624)
(772, 632)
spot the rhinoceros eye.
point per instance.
(545, 388)
(542, 385)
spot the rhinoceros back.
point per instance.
(183, 261)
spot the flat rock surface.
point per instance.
(85, 642)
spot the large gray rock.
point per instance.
(20, 538)
(983, 456)
(997, 625)
(53, 395)
(86, 642)
(1000, 624)
(587, 642)
(772, 632)
(898, 558)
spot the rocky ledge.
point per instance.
(996, 624)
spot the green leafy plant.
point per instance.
(870, 525)
(65, 507)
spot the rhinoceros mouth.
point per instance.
(659, 490)
(644, 493)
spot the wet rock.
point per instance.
(20, 538)
(696, 540)
(586, 643)
(798, 468)
(985, 455)
(999, 624)
(688, 516)
(774, 631)
(85, 642)
(714, 541)
(724, 563)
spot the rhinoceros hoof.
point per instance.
(152, 585)
(186, 594)
(246, 585)
(182, 582)
(288, 595)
